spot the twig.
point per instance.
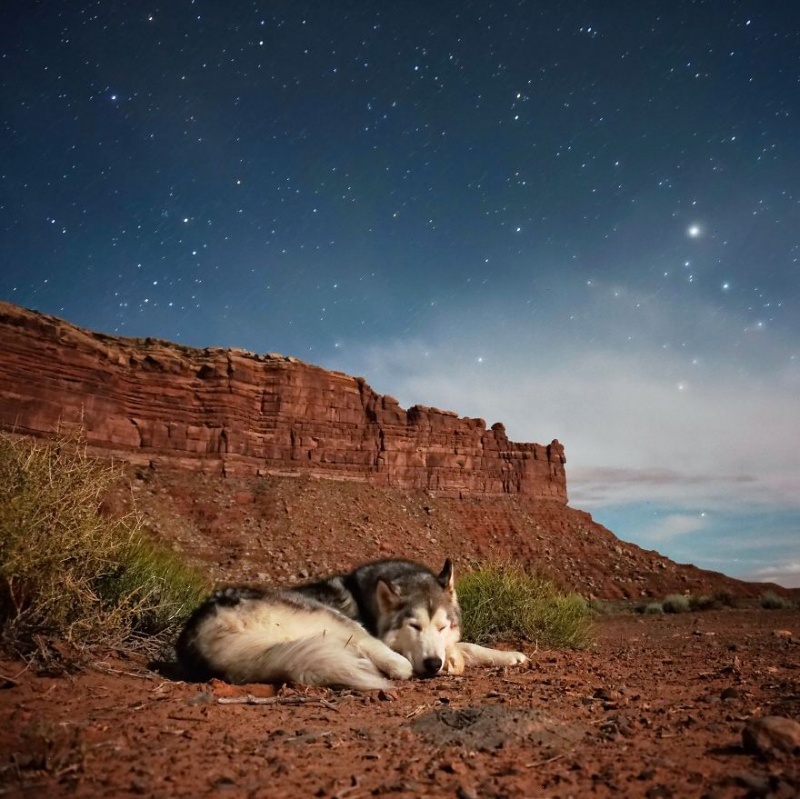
(249, 699)
(9, 680)
(103, 669)
(545, 762)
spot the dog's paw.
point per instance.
(398, 668)
(454, 662)
(514, 658)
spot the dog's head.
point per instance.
(420, 618)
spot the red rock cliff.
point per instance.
(230, 411)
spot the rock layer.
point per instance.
(234, 412)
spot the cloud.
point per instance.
(706, 423)
(633, 423)
(674, 525)
(787, 574)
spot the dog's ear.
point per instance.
(388, 596)
(445, 578)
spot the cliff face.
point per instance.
(237, 413)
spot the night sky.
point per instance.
(580, 219)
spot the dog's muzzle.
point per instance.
(431, 667)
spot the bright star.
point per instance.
(694, 231)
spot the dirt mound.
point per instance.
(488, 727)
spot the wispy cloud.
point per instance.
(674, 525)
(644, 419)
(787, 574)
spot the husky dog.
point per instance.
(387, 619)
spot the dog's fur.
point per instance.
(386, 619)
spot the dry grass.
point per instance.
(504, 601)
(676, 603)
(69, 572)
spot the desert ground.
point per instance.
(655, 707)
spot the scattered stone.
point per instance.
(731, 692)
(769, 735)
(783, 633)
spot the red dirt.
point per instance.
(655, 708)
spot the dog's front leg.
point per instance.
(474, 655)
(391, 663)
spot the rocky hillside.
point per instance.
(261, 467)
(246, 529)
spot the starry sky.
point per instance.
(580, 219)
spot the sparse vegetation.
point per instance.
(771, 601)
(676, 603)
(601, 607)
(725, 598)
(504, 601)
(69, 572)
(653, 609)
(702, 602)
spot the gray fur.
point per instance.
(389, 618)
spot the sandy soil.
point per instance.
(655, 708)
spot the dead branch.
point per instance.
(249, 699)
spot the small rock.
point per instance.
(768, 734)
(731, 692)
(782, 633)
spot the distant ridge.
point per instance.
(234, 412)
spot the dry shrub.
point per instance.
(504, 601)
(676, 603)
(66, 570)
(769, 600)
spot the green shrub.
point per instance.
(503, 601)
(67, 571)
(676, 603)
(653, 609)
(725, 598)
(772, 601)
(602, 607)
(702, 602)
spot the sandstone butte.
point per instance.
(236, 413)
